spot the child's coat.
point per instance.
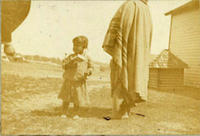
(75, 75)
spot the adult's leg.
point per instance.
(6, 41)
(117, 99)
(13, 14)
(116, 109)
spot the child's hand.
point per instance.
(89, 73)
(73, 58)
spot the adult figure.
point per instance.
(13, 13)
(128, 41)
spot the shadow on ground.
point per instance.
(92, 112)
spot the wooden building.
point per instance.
(166, 72)
(184, 39)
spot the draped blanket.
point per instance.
(128, 41)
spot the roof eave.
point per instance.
(181, 7)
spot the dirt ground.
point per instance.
(30, 106)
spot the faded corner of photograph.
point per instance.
(127, 67)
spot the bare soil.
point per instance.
(30, 106)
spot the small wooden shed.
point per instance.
(184, 39)
(166, 72)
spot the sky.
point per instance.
(51, 25)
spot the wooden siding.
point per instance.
(171, 78)
(185, 43)
(153, 78)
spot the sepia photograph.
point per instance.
(100, 67)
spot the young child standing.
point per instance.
(77, 68)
